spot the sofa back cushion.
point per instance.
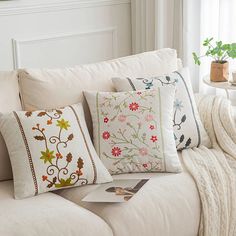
(50, 88)
(9, 101)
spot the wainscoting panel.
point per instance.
(65, 50)
(59, 33)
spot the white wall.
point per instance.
(58, 33)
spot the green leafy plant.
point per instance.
(218, 51)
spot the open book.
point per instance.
(120, 190)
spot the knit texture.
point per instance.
(214, 170)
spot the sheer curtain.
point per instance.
(167, 23)
(218, 19)
(183, 25)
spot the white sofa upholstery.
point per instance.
(9, 101)
(168, 205)
(46, 214)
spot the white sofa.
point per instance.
(167, 205)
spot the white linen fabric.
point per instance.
(51, 150)
(133, 130)
(214, 170)
(50, 88)
(47, 214)
(168, 204)
(9, 100)
(188, 128)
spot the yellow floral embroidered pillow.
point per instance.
(133, 131)
(50, 150)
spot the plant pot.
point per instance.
(219, 71)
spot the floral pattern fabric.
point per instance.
(128, 131)
(55, 149)
(188, 129)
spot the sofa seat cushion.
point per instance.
(46, 214)
(167, 205)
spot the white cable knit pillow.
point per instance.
(188, 128)
(133, 131)
(50, 150)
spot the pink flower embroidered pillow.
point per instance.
(188, 128)
(133, 130)
(50, 150)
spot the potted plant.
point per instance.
(220, 53)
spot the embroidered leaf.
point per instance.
(80, 163)
(50, 185)
(38, 137)
(183, 119)
(69, 157)
(188, 142)
(70, 137)
(54, 180)
(42, 113)
(28, 113)
(168, 78)
(181, 139)
(64, 183)
(59, 112)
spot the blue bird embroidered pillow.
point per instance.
(188, 128)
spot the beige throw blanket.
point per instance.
(214, 170)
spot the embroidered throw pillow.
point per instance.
(188, 129)
(133, 130)
(50, 150)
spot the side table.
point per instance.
(220, 85)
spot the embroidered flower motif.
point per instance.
(49, 122)
(178, 104)
(143, 151)
(79, 172)
(58, 155)
(149, 117)
(116, 151)
(44, 177)
(58, 173)
(133, 106)
(106, 135)
(105, 119)
(122, 118)
(131, 117)
(152, 127)
(63, 124)
(47, 156)
(153, 138)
